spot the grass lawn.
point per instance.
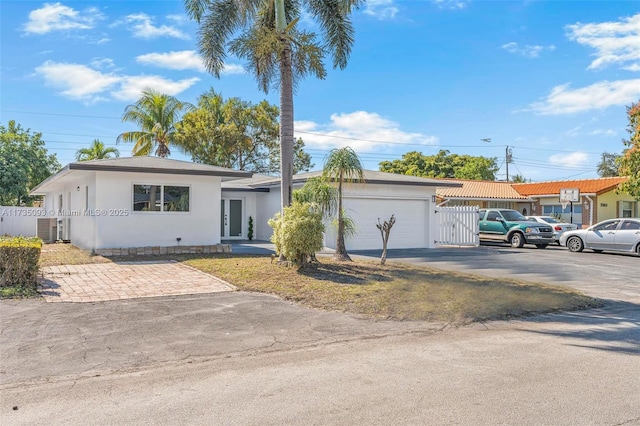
(394, 291)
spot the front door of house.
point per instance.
(230, 218)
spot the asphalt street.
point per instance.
(241, 358)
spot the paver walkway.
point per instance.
(125, 280)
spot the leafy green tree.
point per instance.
(609, 164)
(518, 179)
(443, 165)
(96, 151)
(277, 52)
(24, 163)
(630, 161)
(343, 166)
(298, 232)
(157, 115)
(236, 134)
(318, 190)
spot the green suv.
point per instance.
(510, 226)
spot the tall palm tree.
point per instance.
(156, 114)
(96, 151)
(277, 52)
(344, 166)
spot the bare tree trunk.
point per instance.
(385, 230)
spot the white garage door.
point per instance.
(409, 231)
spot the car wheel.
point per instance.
(516, 240)
(597, 251)
(638, 249)
(575, 244)
(542, 246)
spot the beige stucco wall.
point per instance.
(610, 205)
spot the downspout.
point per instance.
(590, 210)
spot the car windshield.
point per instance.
(550, 219)
(512, 215)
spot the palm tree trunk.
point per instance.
(341, 248)
(286, 126)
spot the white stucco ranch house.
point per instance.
(139, 203)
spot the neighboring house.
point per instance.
(599, 199)
(134, 202)
(411, 199)
(485, 195)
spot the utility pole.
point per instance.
(508, 157)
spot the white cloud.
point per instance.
(102, 63)
(526, 51)
(616, 43)
(183, 60)
(361, 130)
(57, 17)
(564, 100)
(80, 82)
(132, 86)
(381, 9)
(142, 27)
(76, 81)
(452, 4)
(603, 132)
(570, 160)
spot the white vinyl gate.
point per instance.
(457, 226)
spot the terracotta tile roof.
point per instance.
(586, 186)
(480, 189)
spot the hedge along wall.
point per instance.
(19, 258)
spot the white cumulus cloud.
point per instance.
(616, 43)
(183, 60)
(361, 130)
(58, 17)
(90, 85)
(600, 95)
(570, 160)
(132, 86)
(141, 25)
(526, 51)
(76, 81)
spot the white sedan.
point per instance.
(558, 226)
(611, 235)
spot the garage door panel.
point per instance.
(409, 230)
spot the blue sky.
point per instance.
(549, 79)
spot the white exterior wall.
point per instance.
(20, 220)
(268, 204)
(199, 226)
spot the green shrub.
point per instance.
(19, 258)
(298, 233)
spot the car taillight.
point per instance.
(558, 228)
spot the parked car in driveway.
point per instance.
(609, 235)
(558, 226)
(511, 227)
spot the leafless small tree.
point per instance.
(385, 230)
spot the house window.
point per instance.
(556, 209)
(147, 198)
(498, 205)
(628, 208)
